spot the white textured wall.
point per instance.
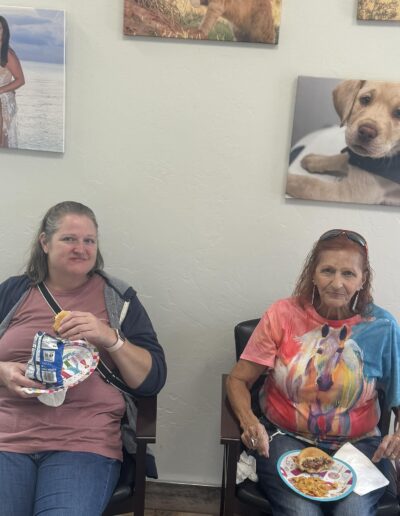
(181, 149)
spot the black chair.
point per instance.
(247, 494)
(129, 495)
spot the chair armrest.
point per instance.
(146, 419)
(230, 429)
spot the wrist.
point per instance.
(117, 344)
(247, 420)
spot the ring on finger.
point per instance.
(253, 441)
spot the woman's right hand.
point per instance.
(238, 385)
(12, 376)
(255, 437)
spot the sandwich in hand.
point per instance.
(313, 460)
(58, 319)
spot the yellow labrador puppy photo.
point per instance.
(364, 166)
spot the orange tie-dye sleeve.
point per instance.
(263, 344)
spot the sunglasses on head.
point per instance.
(351, 235)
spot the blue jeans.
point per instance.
(285, 502)
(56, 483)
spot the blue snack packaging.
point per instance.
(46, 362)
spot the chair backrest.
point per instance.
(243, 332)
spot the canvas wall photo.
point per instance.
(379, 10)
(32, 78)
(345, 141)
(252, 21)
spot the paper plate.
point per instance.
(340, 476)
(80, 359)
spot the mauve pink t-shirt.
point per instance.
(89, 418)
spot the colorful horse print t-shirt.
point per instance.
(323, 374)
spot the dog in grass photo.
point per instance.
(365, 164)
(250, 21)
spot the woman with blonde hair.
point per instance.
(65, 460)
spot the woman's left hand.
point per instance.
(389, 448)
(84, 325)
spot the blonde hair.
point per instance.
(37, 268)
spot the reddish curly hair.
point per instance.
(304, 287)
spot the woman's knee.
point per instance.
(17, 476)
(75, 483)
(355, 504)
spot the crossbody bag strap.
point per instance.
(105, 372)
(49, 298)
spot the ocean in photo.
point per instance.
(41, 105)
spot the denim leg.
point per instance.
(354, 504)
(17, 484)
(283, 500)
(74, 483)
(367, 504)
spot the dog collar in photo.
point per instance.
(389, 168)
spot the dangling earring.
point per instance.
(313, 295)
(354, 306)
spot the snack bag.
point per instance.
(59, 364)
(46, 363)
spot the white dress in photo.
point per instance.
(8, 109)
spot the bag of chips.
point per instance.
(46, 363)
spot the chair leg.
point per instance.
(140, 479)
(229, 480)
(223, 487)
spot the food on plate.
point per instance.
(313, 486)
(58, 319)
(314, 460)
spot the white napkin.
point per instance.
(53, 400)
(369, 477)
(246, 468)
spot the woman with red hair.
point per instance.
(325, 349)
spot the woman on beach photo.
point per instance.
(11, 78)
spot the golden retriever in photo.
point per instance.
(252, 20)
(368, 170)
